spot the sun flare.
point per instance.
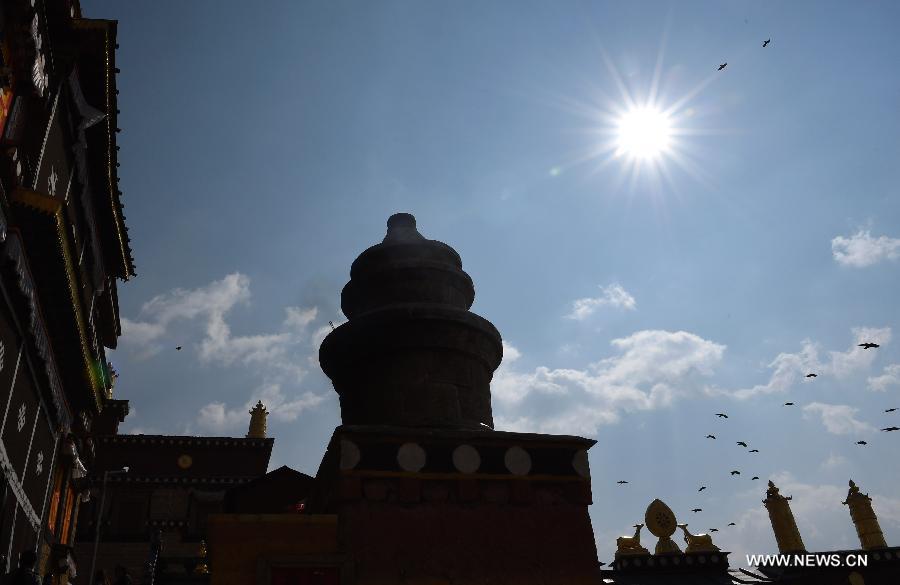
(643, 133)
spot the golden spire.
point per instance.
(863, 516)
(783, 525)
(258, 422)
(202, 568)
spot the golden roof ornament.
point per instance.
(697, 542)
(787, 536)
(202, 568)
(660, 521)
(863, 515)
(631, 545)
(258, 421)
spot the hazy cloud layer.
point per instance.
(651, 370)
(610, 296)
(861, 249)
(790, 368)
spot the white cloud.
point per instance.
(833, 462)
(839, 419)
(216, 418)
(789, 368)
(140, 333)
(890, 377)
(279, 358)
(652, 369)
(861, 249)
(212, 301)
(280, 407)
(610, 296)
(299, 319)
(211, 304)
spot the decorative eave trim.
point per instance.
(38, 329)
(178, 480)
(108, 29)
(184, 440)
(53, 206)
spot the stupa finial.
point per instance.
(258, 421)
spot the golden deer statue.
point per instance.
(697, 542)
(631, 545)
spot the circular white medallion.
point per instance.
(517, 461)
(349, 454)
(411, 457)
(580, 463)
(466, 459)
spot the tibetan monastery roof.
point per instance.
(98, 46)
(159, 456)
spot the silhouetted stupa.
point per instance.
(425, 491)
(412, 354)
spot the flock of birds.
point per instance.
(744, 444)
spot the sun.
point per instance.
(649, 133)
(643, 133)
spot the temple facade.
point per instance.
(63, 246)
(153, 494)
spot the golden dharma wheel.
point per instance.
(660, 519)
(185, 461)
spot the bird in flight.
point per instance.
(789, 404)
(889, 429)
(722, 66)
(735, 472)
(742, 444)
(710, 436)
(766, 42)
(890, 410)
(713, 529)
(702, 487)
(753, 451)
(621, 481)
(754, 477)
(697, 510)
(732, 524)
(178, 348)
(812, 375)
(721, 415)
(861, 443)
(868, 345)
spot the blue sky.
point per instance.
(263, 149)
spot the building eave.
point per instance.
(107, 29)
